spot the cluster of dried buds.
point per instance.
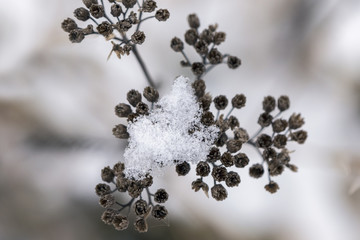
(123, 17)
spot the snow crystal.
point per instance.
(161, 139)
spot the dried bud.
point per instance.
(116, 10)
(221, 102)
(82, 14)
(213, 155)
(142, 108)
(296, 121)
(68, 25)
(88, 3)
(105, 28)
(201, 47)
(218, 192)
(299, 136)
(279, 125)
(191, 36)
(238, 101)
(193, 21)
(108, 216)
(207, 36)
(141, 207)
(120, 131)
(129, 3)
(256, 170)
(219, 38)
(119, 169)
(272, 187)
(263, 141)
(283, 103)
(151, 94)
(161, 196)
(133, 97)
(120, 222)
(198, 68)
(275, 167)
(132, 117)
(280, 141)
(123, 25)
(107, 200)
(138, 37)
(207, 118)
(76, 36)
(122, 110)
(219, 173)
(162, 15)
(205, 101)
(97, 11)
(269, 104)
(233, 122)
(241, 160)
(221, 140)
(88, 30)
(149, 6)
(159, 212)
(102, 189)
(199, 184)
(183, 168)
(232, 179)
(141, 225)
(107, 174)
(241, 134)
(214, 56)
(265, 119)
(202, 169)
(176, 44)
(233, 145)
(269, 153)
(199, 87)
(233, 62)
(135, 188)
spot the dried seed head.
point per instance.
(82, 14)
(161, 196)
(207, 36)
(219, 38)
(122, 183)
(151, 94)
(238, 101)
(133, 97)
(205, 101)
(214, 56)
(213, 155)
(102, 189)
(68, 25)
(142, 108)
(241, 160)
(159, 212)
(296, 121)
(299, 136)
(233, 62)
(141, 207)
(105, 28)
(263, 141)
(176, 44)
(193, 21)
(123, 25)
(218, 192)
(120, 222)
(232, 179)
(88, 30)
(138, 37)
(265, 119)
(132, 117)
(233, 145)
(191, 36)
(292, 167)
(183, 168)
(222, 124)
(141, 225)
(107, 174)
(283, 103)
(219, 173)
(283, 157)
(241, 134)
(119, 169)
(201, 47)
(202, 169)
(88, 3)
(279, 125)
(199, 87)
(280, 141)
(162, 15)
(107, 201)
(76, 36)
(199, 184)
(275, 167)
(120, 131)
(116, 10)
(198, 68)
(256, 170)
(108, 216)
(122, 110)
(269, 104)
(269, 153)
(221, 102)
(233, 122)
(207, 118)
(135, 188)
(272, 187)
(129, 3)
(221, 140)
(97, 11)
(149, 6)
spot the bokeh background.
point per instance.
(56, 116)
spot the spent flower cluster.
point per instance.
(187, 127)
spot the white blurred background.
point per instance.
(57, 110)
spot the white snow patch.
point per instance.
(161, 139)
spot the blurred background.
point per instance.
(57, 111)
